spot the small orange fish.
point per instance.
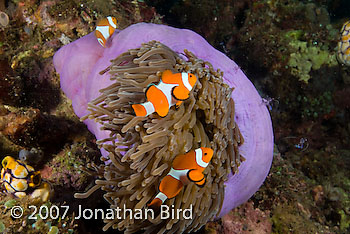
(172, 89)
(186, 166)
(104, 29)
(343, 52)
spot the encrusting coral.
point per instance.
(141, 149)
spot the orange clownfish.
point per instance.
(104, 29)
(171, 90)
(190, 165)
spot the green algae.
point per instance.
(10, 203)
(344, 220)
(53, 230)
(313, 107)
(306, 57)
(343, 199)
(288, 219)
(294, 34)
(2, 226)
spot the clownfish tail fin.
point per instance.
(144, 109)
(157, 201)
(155, 204)
(139, 110)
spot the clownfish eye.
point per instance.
(205, 153)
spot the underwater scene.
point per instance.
(177, 116)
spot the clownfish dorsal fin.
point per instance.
(167, 76)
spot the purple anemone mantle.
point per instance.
(79, 63)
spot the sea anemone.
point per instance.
(140, 149)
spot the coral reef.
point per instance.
(66, 169)
(247, 219)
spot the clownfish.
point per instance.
(189, 166)
(172, 89)
(343, 52)
(104, 29)
(18, 178)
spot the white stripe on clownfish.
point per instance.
(166, 89)
(199, 158)
(149, 107)
(176, 174)
(100, 41)
(186, 82)
(110, 21)
(161, 196)
(104, 30)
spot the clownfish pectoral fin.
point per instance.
(195, 175)
(180, 93)
(201, 183)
